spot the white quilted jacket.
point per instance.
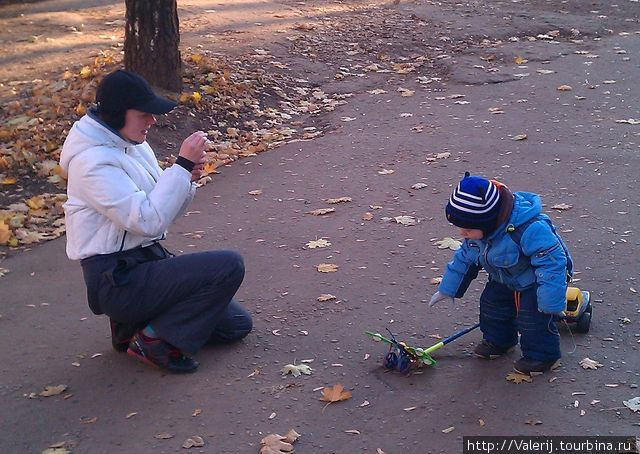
(118, 196)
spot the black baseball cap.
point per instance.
(122, 90)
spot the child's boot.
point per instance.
(486, 350)
(528, 366)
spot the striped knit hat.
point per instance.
(474, 204)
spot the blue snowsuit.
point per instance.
(527, 280)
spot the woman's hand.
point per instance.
(193, 148)
(197, 172)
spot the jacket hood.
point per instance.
(526, 206)
(85, 134)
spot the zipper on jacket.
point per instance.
(490, 268)
(122, 243)
(486, 253)
(546, 251)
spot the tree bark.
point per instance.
(151, 42)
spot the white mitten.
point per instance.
(439, 297)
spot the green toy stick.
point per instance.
(423, 355)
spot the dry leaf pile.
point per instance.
(233, 92)
(37, 219)
(38, 116)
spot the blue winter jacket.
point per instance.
(539, 260)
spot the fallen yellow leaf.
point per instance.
(5, 233)
(85, 72)
(322, 211)
(35, 203)
(327, 267)
(210, 167)
(163, 436)
(321, 243)
(291, 436)
(449, 243)
(296, 370)
(276, 444)
(194, 441)
(56, 450)
(405, 92)
(518, 378)
(52, 390)
(335, 393)
(326, 297)
(339, 200)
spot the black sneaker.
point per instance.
(486, 350)
(526, 366)
(159, 353)
(121, 334)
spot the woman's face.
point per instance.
(136, 125)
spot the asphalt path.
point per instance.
(576, 152)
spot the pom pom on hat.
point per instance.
(474, 204)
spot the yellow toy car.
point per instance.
(579, 309)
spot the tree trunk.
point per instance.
(151, 42)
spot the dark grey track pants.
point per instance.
(188, 299)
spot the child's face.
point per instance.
(471, 234)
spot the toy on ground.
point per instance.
(579, 309)
(404, 358)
